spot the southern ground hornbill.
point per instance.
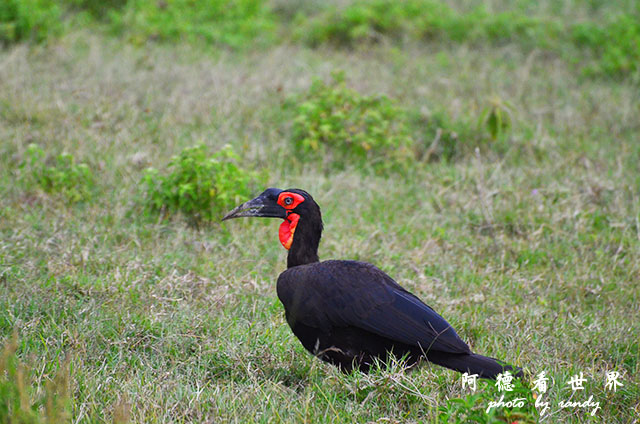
(351, 313)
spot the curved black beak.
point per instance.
(266, 206)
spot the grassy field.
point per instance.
(526, 238)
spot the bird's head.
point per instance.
(296, 207)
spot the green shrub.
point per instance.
(60, 175)
(361, 21)
(19, 402)
(473, 407)
(369, 21)
(199, 185)
(615, 47)
(30, 20)
(97, 8)
(338, 125)
(529, 32)
(233, 23)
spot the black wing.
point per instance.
(332, 294)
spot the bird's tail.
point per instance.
(484, 366)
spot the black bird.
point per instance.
(351, 313)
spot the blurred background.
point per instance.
(483, 153)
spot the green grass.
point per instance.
(528, 245)
(30, 20)
(598, 38)
(231, 23)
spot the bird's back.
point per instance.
(349, 304)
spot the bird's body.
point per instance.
(351, 313)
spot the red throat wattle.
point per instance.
(289, 201)
(287, 228)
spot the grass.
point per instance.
(529, 246)
(600, 39)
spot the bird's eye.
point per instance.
(288, 201)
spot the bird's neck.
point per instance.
(302, 256)
(304, 248)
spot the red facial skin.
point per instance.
(288, 227)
